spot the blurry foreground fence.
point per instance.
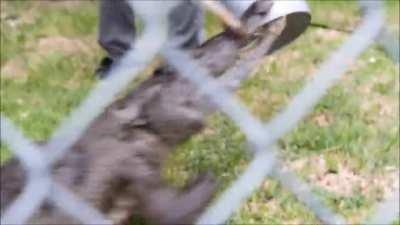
(262, 137)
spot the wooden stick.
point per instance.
(224, 15)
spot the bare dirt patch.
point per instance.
(68, 46)
(329, 35)
(12, 18)
(347, 182)
(323, 119)
(14, 69)
(17, 67)
(69, 4)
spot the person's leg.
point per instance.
(116, 31)
(186, 25)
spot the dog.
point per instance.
(116, 164)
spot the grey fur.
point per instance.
(116, 165)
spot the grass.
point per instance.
(350, 139)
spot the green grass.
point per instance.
(354, 128)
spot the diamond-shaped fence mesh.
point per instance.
(261, 136)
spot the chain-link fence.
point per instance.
(262, 137)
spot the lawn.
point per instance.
(347, 148)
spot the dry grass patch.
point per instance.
(14, 69)
(333, 174)
(65, 45)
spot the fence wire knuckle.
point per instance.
(261, 136)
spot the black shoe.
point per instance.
(104, 68)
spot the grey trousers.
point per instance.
(117, 30)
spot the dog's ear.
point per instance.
(128, 113)
(131, 110)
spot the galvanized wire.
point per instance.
(262, 137)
